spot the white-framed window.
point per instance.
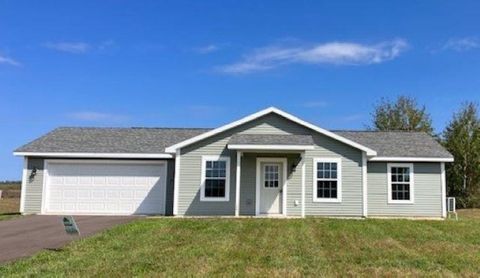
(215, 183)
(400, 183)
(271, 178)
(327, 179)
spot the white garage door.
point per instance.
(106, 187)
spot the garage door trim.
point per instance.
(47, 162)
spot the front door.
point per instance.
(271, 184)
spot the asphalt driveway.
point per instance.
(24, 236)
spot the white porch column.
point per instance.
(303, 184)
(444, 190)
(237, 184)
(24, 185)
(364, 185)
(176, 182)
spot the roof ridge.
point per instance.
(376, 131)
(134, 127)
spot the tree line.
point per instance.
(461, 137)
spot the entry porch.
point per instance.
(270, 178)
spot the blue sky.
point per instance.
(205, 63)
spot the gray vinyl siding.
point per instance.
(34, 186)
(273, 124)
(247, 184)
(190, 168)
(190, 179)
(190, 175)
(427, 192)
(352, 203)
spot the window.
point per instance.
(400, 183)
(271, 176)
(327, 181)
(215, 178)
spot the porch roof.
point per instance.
(271, 141)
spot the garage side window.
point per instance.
(327, 180)
(215, 178)
(400, 183)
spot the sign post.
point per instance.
(70, 226)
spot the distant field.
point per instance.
(10, 202)
(9, 208)
(10, 185)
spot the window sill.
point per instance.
(207, 199)
(401, 202)
(320, 200)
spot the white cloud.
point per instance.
(9, 61)
(337, 53)
(207, 49)
(352, 118)
(70, 47)
(106, 44)
(462, 44)
(315, 104)
(78, 47)
(96, 116)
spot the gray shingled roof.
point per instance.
(155, 140)
(270, 139)
(110, 140)
(398, 143)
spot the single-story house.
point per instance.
(270, 163)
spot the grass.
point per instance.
(10, 185)
(9, 208)
(268, 247)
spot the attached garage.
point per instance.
(104, 187)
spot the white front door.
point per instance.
(271, 184)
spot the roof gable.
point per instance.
(175, 147)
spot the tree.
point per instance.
(462, 139)
(403, 114)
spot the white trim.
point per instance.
(410, 159)
(270, 147)
(44, 187)
(444, 189)
(94, 155)
(303, 183)
(339, 180)
(261, 113)
(46, 177)
(206, 158)
(364, 184)
(258, 174)
(176, 182)
(24, 185)
(285, 187)
(389, 183)
(237, 183)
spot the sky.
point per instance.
(207, 63)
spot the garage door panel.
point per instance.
(114, 180)
(69, 195)
(103, 188)
(83, 194)
(113, 194)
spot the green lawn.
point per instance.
(266, 247)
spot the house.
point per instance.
(270, 163)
